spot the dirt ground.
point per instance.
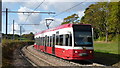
(20, 61)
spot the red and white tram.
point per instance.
(69, 41)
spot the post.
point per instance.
(13, 29)
(6, 20)
(0, 33)
(20, 31)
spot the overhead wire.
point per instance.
(34, 10)
(69, 8)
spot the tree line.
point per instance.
(104, 18)
(29, 36)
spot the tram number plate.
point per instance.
(83, 54)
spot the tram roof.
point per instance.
(59, 27)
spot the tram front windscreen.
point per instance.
(82, 35)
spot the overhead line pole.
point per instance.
(6, 20)
(13, 29)
(0, 34)
(20, 31)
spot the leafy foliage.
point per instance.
(104, 17)
(28, 36)
(74, 18)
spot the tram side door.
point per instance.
(53, 44)
(45, 43)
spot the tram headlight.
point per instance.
(90, 51)
(75, 51)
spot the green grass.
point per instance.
(111, 47)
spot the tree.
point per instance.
(74, 18)
(103, 16)
(28, 36)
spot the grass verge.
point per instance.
(110, 47)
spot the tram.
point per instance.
(68, 41)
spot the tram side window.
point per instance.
(53, 40)
(50, 40)
(66, 39)
(39, 41)
(46, 40)
(42, 40)
(70, 40)
(57, 40)
(61, 39)
(36, 40)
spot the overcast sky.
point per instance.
(56, 6)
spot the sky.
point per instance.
(56, 6)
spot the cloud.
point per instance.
(57, 6)
(16, 28)
(56, 23)
(33, 18)
(80, 14)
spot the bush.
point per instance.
(8, 47)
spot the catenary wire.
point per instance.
(34, 10)
(69, 8)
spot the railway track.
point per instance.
(37, 58)
(23, 55)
